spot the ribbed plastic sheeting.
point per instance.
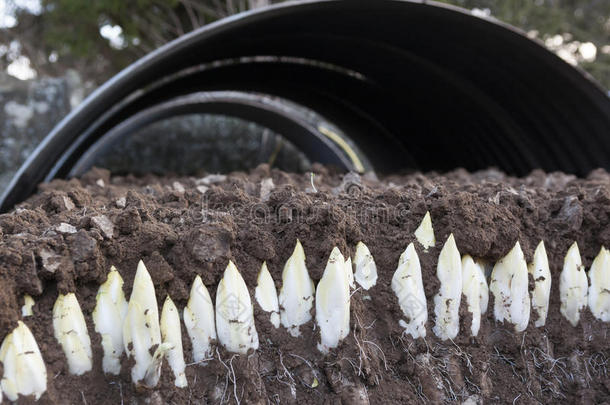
(411, 85)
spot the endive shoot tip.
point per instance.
(509, 285)
(71, 332)
(573, 286)
(539, 269)
(199, 321)
(141, 331)
(266, 295)
(296, 294)
(171, 334)
(366, 270)
(599, 291)
(424, 233)
(24, 370)
(298, 250)
(409, 289)
(333, 302)
(108, 317)
(447, 301)
(474, 288)
(28, 303)
(349, 270)
(234, 313)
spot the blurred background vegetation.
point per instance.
(97, 38)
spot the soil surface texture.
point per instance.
(66, 237)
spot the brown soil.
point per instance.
(180, 232)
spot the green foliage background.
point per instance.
(69, 30)
(585, 20)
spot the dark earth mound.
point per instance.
(66, 237)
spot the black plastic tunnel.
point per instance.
(380, 85)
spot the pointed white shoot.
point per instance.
(474, 288)
(447, 301)
(266, 295)
(108, 317)
(171, 333)
(539, 269)
(234, 313)
(71, 332)
(333, 303)
(485, 269)
(296, 294)
(599, 291)
(366, 270)
(573, 286)
(509, 285)
(424, 233)
(24, 370)
(409, 289)
(349, 269)
(28, 303)
(199, 321)
(141, 331)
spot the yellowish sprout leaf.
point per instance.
(474, 288)
(28, 303)
(366, 270)
(408, 286)
(540, 272)
(171, 333)
(599, 291)
(108, 317)
(266, 295)
(234, 313)
(71, 332)
(350, 272)
(424, 233)
(447, 301)
(509, 285)
(199, 321)
(297, 292)
(24, 370)
(333, 303)
(573, 286)
(141, 331)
